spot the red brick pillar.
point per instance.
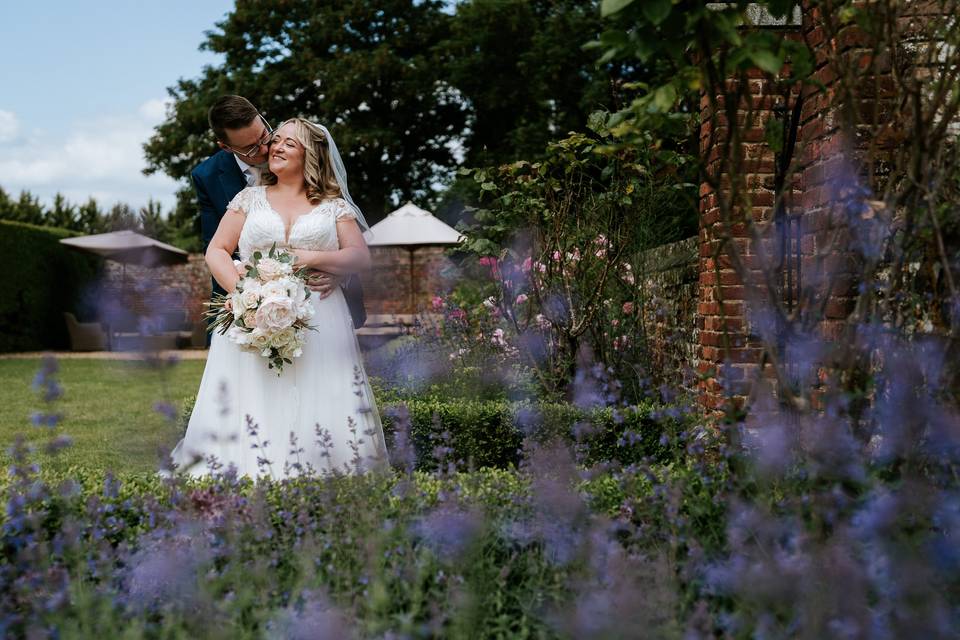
(830, 191)
(736, 276)
(728, 355)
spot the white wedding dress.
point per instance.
(319, 414)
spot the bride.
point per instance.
(319, 414)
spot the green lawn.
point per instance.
(108, 409)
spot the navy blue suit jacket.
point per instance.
(217, 180)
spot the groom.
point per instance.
(243, 136)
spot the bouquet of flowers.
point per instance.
(269, 309)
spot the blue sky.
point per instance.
(83, 83)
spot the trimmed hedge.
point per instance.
(42, 279)
(490, 433)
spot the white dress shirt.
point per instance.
(250, 172)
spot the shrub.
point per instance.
(560, 248)
(43, 279)
(491, 433)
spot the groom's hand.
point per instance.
(323, 283)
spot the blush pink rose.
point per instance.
(276, 314)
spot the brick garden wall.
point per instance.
(150, 290)
(812, 264)
(386, 288)
(187, 286)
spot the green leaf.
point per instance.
(766, 60)
(656, 11)
(773, 134)
(664, 97)
(488, 186)
(609, 7)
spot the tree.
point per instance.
(520, 66)
(62, 215)
(120, 218)
(28, 209)
(89, 218)
(368, 70)
(152, 222)
(7, 205)
(410, 90)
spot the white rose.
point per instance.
(250, 296)
(250, 318)
(258, 339)
(271, 269)
(299, 291)
(274, 289)
(284, 338)
(236, 304)
(291, 351)
(293, 286)
(275, 314)
(292, 346)
(239, 336)
(305, 311)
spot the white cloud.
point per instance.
(102, 158)
(9, 127)
(154, 111)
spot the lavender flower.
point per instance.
(448, 530)
(311, 617)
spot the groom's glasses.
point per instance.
(264, 140)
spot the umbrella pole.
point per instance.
(413, 307)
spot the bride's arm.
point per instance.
(352, 256)
(219, 254)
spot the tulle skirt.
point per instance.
(318, 415)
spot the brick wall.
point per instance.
(187, 287)
(730, 220)
(150, 290)
(386, 288)
(804, 255)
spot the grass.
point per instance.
(108, 411)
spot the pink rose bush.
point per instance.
(529, 310)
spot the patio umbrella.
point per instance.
(411, 227)
(129, 247)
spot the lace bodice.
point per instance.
(315, 230)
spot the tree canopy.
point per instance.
(409, 90)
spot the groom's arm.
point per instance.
(209, 217)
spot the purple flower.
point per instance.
(447, 530)
(167, 410)
(165, 570)
(311, 617)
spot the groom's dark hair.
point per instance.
(230, 112)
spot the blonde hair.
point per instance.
(318, 173)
